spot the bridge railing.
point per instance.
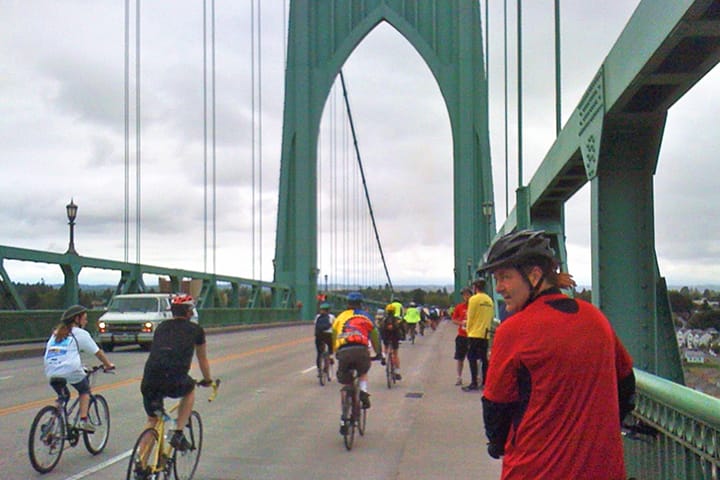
(239, 292)
(687, 443)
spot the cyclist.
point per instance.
(560, 381)
(390, 333)
(167, 367)
(398, 308)
(63, 360)
(353, 330)
(412, 316)
(323, 333)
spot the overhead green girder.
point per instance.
(612, 140)
(322, 34)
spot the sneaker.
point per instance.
(343, 429)
(86, 426)
(458, 383)
(471, 388)
(398, 376)
(365, 399)
(179, 442)
(140, 472)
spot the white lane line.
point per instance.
(100, 466)
(6, 378)
(308, 370)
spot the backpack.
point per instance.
(322, 323)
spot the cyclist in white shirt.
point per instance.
(62, 357)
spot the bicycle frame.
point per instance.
(162, 456)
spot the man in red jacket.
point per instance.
(559, 380)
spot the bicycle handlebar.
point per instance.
(215, 384)
(95, 368)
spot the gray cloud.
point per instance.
(62, 136)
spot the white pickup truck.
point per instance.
(131, 319)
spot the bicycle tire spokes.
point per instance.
(99, 417)
(47, 439)
(145, 456)
(184, 463)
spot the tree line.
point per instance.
(691, 307)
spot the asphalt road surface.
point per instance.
(272, 419)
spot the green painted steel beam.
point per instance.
(322, 35)
(612, 140)
(131, 275)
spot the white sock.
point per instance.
(363, 386)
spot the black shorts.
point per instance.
(477, 349)
(391, 337)
(354, 357)
(461, 347)
(154, 391)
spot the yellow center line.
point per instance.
(111, 386)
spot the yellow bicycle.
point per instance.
(153, 458)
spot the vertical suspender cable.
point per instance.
(519, 94)
(505, 83)
(558, 86)
(137, 134)
(260, 146)
(205, 141)
(214, 169)
(336, 192)
(252, 135)
(126, 242)
(362, 174)
(345, 216)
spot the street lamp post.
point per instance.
(71, 209)
(469, 270)
(487, 211)
(326, 284)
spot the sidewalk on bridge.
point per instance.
(447, 425)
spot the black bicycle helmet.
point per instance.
(514, 249)
(69, 315)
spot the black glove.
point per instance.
(495, 451)
(205, 382)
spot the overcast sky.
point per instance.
(62, 136)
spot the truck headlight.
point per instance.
(102, 327)
(147, 327)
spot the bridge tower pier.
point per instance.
(322, 35)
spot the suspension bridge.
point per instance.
(610, 143)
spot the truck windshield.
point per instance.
(133, 305)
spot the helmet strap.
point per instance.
(534, 289)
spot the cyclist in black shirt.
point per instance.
(167, 366)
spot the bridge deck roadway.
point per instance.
(272, 420)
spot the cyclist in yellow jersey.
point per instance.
(353, 330)
(412, 316)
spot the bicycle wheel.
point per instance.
(144, 455)
(361, 416)
(185, 462)
(330, 370)
(323, 368)
(389, 370)
(347, 417)
(99, 417)
(47, 439)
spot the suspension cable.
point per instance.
(362, 174)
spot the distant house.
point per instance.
(694, 356)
